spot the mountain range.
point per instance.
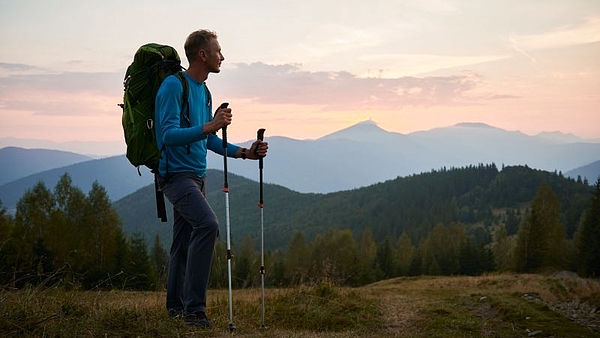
(365, 154)
(93, 149)
(19, 162)
(115, 174)
(358, 156)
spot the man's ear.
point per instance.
(202, 54)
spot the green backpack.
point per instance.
(152, 63)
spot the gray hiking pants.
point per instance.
(195, 230)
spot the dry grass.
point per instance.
(505, 305)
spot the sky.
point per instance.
(304, 69)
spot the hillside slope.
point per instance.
(115, 174)
(412, 204)
(20, 162)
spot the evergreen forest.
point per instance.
(458, 221)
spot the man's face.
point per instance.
(214, 57)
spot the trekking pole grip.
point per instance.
(260, 135)
(223, 106)
(225, 183)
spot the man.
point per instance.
(182, 168)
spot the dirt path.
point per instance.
(489, 306)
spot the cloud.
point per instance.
(336, 39)
(435, 6)
(64, 94)
(569, 35)
(289, 84)
(15, 66)
(397, 65)
(500, 97)
(67, 94)
(7, 69)
(64, 82)
(55, 104)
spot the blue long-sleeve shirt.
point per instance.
(174, 133)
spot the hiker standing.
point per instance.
(182, 169)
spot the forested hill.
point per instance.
(478, 196)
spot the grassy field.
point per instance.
(503, 305)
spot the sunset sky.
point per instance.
(303, 69)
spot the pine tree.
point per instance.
(541, 238)
(7, 248)
(440, 250)
(588, 238)
(6, 224)
(367, 251)
(503, 249)
(70, 236)
(385, 259)
(475, 259)
(138, 271)
(417, 261)
(103, 228)
(512, 222)
(35, 211)
(404, 254)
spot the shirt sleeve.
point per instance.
(215, 144)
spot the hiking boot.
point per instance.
(198, 319)
(175, 314)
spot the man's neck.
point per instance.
(197, 73)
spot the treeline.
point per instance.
(74, 239)
(540, 243)
(478, 196)
(67, 237)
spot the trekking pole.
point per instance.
(260, 136)
(226, 191)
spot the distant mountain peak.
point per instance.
(474, 125)
(369, 121)
(559, 136)
(358, 131)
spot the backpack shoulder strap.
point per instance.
(185, 106)
(208, 96)
(209, 101)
